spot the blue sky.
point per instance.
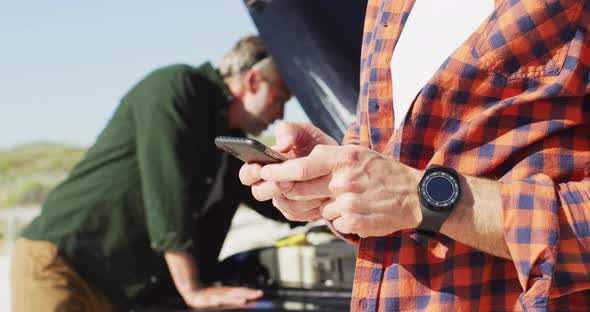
(64, 67)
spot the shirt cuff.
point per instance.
(172, 242)
(531, 230)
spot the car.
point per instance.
(316, 46)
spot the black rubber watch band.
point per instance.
(432, 221)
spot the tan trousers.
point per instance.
(43, 281)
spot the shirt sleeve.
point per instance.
(548, 234)
(166, 153)
(352, 135)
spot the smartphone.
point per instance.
(248, 150)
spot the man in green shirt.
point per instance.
(153, 198)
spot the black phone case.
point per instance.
(248, 150)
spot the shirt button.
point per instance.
(363, 304)
(209, 180)
(153, 279)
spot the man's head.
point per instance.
(254, 80)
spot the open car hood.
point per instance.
(316, 44)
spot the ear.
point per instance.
(252, 81)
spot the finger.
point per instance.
(319, 163)
(314, 215)
(228, 300)
(349, 224)
(285, 136)
(311, 189)
(263, 190)
(295, 206)
(298, 210)
(344, 204)
(235, 296)
(246, 293)
(348, 181)
(304, 136)
(307, 216)
(329, 210)
(250, 174)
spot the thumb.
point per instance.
(286, 136)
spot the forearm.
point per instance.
(184, 271)
(477, 220)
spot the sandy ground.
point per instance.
(248, 230)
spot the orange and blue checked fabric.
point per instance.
(511, 103)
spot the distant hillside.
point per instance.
(28, 172)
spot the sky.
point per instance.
(65, 65)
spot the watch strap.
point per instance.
(432, 221)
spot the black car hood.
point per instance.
(316, 44)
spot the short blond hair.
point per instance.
(267, 68)
(248, 53)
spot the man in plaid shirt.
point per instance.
(509, 111)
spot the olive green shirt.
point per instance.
(152, 182)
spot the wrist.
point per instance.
(188, 290)
(463, 214)
(183, 270)
(413, 201)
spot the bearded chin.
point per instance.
(257, 130)
(259, 127)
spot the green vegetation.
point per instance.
(28, 172)
(268, 140)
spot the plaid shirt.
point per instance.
(508, 104)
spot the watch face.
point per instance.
(440, 190)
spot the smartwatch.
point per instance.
(438, 190)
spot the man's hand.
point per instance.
(220, 296)
(293, 140)
(370, 195)
(185, 274)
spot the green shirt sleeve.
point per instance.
(166, 153)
